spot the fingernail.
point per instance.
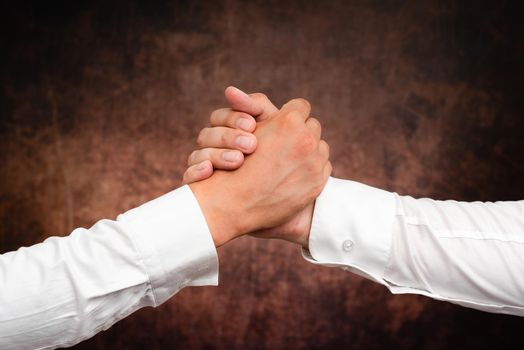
(244, 124)
(202, 166)
(231, 156)
(245, 142)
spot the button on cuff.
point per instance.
(347, 245)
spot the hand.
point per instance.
(224, 145)
(284, 175)
(202, 161)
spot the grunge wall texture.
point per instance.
(100, 104)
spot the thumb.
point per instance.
(257, 104)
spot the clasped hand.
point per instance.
(258, 169)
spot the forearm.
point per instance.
(67, 289)
(52, 288)
(466, 253)
(471, 254)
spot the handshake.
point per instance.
(280, 165)
(66, 289)
(260, 171)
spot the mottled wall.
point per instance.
(100, 104)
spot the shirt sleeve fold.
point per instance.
(471, 254)
(174, 243)
(352, 228)
(66, 289)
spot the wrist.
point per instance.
(216, 203)
(301, 234)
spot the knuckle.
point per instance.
(314, 123)
(224, 139)
(209, 154)
(191, 158)
(202, 136)
(291, 118)
(234, 116)
(259, 96)
(217, 116)
(301, 102)
(205, 154)
(214, 116)
(329, 169)
(324, 147)
(306, 143)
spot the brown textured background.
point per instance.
(101, 103)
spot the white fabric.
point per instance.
(471, 254)
(66, 289)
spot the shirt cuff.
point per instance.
(171, 236)
(352, 227)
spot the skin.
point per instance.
(227, 124)
(230, 123)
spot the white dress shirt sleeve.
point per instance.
(66, 289)
(471, 254)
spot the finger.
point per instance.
(225, 159)
(268, 108)
(328, 169)
(314, 126)
(222, 137)
(323, 149)
(257, 104)
(299, 106)
(198, 172)
(233, 119)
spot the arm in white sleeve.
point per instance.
(66, 289)
(471, 254)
